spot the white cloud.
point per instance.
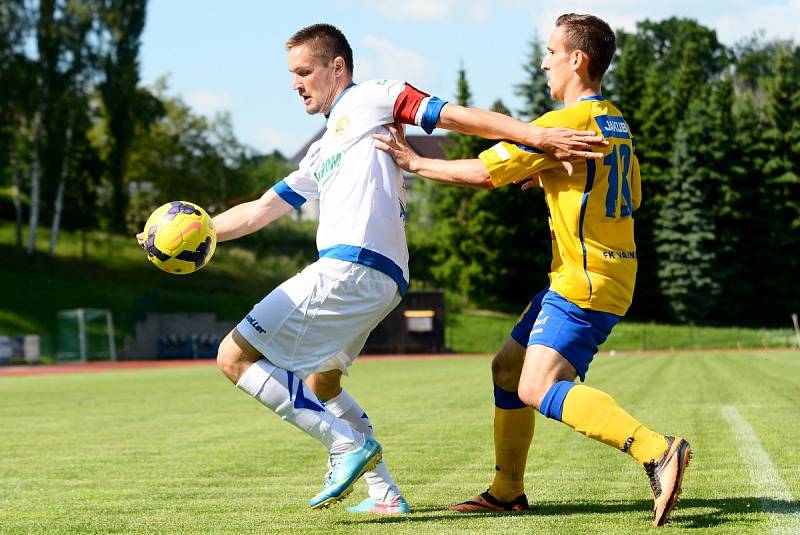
(432, 10)
(780, 21)
(363, 69)
(266, 140)
(208, 103)
(732, 19)
(413, 9)
(395, 62)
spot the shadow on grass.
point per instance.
(692, 512)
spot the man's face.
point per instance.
(314, 81)
(557, 64)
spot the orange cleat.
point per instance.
(486, 503)
(666, 477)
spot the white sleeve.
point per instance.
(379, 98)
(392, 101)
(300, 186)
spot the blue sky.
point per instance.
(229, 55)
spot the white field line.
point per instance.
(777, 502)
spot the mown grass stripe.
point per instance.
(776, 500)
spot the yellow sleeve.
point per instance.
(508, 162)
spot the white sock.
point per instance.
(381, 485)
(286, 394)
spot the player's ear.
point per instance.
(579, 59)
(338, 65)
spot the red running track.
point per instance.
(107, 365)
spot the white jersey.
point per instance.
(360, 189)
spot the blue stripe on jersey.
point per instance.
(528, 149)
(288, 194)
(584, 201)
(366, 257)
(592, 97)
(613, 126)
(431, 114)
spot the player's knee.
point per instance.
(504, 374)
(507, 368)
(497, 367)
(228, 360)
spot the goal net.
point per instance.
(85, 334)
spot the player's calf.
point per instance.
(235, 355)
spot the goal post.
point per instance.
(85, 334)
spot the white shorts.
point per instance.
(320, 319)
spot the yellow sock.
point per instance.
(596, 415)
(513, 432)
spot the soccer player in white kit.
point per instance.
(313, 326)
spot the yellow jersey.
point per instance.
(590, 212)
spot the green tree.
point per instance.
(74, 102)
(695, 236)
(186, 156)
(754, 60)
(486, 245)
(534, 91)
(746, 213)
(17, 83)
(62, 32)
(625, 81)
(781, 175)
(686, 231)
(679, 57)
(451, 209)
(124, 20)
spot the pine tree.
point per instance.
(625, 82)
(781, 175)
(125, 21)
(449, 208)
(533, 91)
(495, 225)
(465, 146)
(686, 230)
(747, 214)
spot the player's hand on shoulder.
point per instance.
(566, 144)
(396, 146)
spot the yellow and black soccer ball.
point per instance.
(179, 237)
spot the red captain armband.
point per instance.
(407, 104)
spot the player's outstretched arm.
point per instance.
(245, 218)
(458, 172)
(251, 216)
(562, 143)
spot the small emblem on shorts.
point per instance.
(541, 320)
(257, 326)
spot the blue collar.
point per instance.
(593, 97)
(346, 89)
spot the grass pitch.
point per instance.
(181, 450)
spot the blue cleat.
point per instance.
(344, 470)
(395, 506)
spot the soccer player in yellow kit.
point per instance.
(592, 276)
